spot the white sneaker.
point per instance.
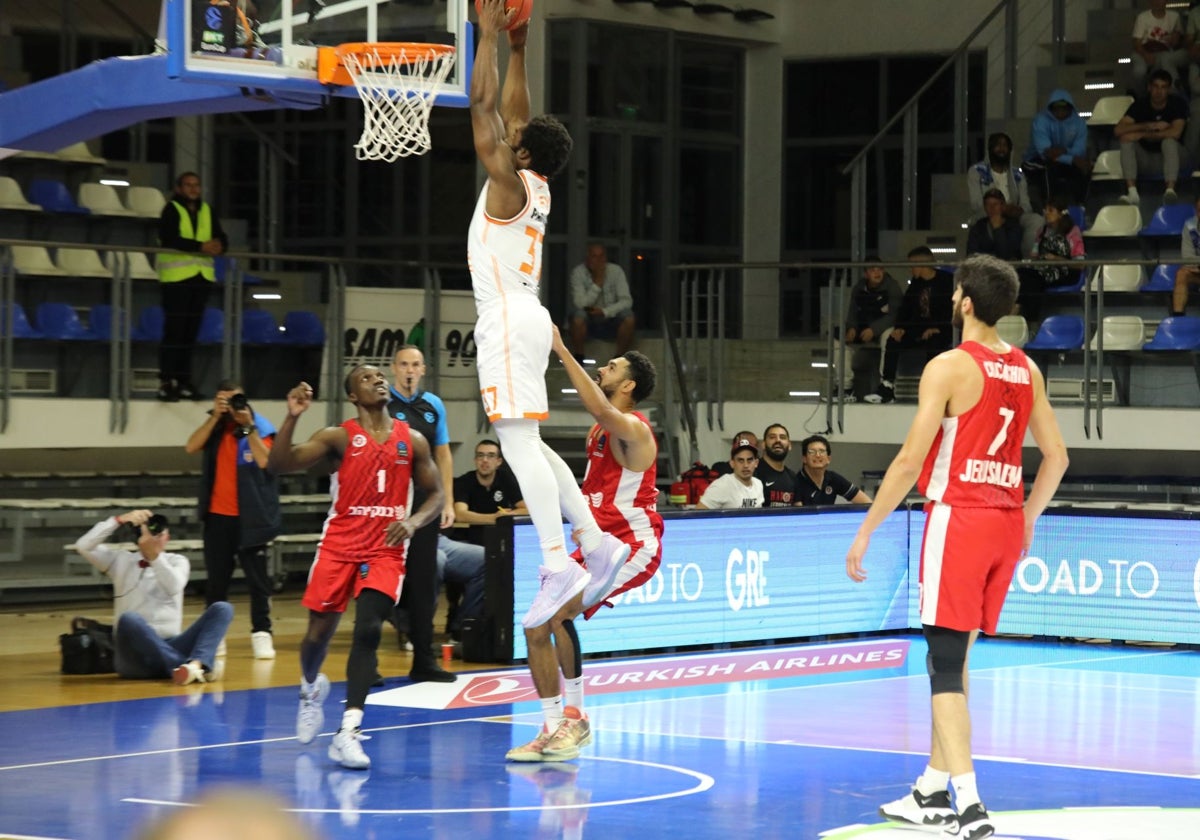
(217, 672)
(187, 673)
(1131, 197)
(346, 749)
(221, 651)
(604, 564)
(311, 716)
(261, 642)
(932, 812)
(557, 588)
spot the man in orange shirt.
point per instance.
(239, 505)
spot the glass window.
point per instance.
(626, 73)
(709, 185)
(710, 87)
(815, 90)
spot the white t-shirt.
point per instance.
(1149, 28)
(729, 492)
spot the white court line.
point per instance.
(704, 782)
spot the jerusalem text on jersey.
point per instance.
(999, 473)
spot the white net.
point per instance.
(398, 84)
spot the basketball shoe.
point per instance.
(311, 716)
(604, 564)
(346, 749)
(533, 750)
(972, 824)
(557, 589)
(933, 811)
(574, 732)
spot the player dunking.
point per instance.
(361, 553)
(974, 406)
(620, 486)
(512, 333)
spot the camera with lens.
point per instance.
(238, 402)
(155, 525)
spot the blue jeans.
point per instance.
(462, 563)
(142, 654)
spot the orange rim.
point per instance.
(331, 69)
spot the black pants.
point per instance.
(419, 595)
(183, 309)
(1048, 179)
(912, 341)
(222, 536)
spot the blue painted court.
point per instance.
(1077, 741)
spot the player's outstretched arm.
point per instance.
(288, 457)
(486, 122)
(514, 98)
(1046, 434)
(937, 385)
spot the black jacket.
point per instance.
(258, 489)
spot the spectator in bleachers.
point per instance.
(923, 322)
(874, 302)
(1188, 274)
(601, 303)
(724, 467)
(190, 228)
(148, 589)
(1057, 160)
(1150, 134)
(238, 504)
(1157, 36)
(778, 479)
(1058, 240)
(816, 484)
(996, 233)
(740, 488)
(996, 172)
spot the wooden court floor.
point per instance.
(1073, 742)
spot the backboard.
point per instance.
(272, 44)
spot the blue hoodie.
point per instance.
(1047, 131)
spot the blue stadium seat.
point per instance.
(54, 197)
(1058, 332)
(1162, 280)
(150, 325)
(100, 321)
(21, 326)
(212, 326)
(1179, 332)
(1077, 286)
(259, 327)
(303, 329)
(1168, 220)
(1076, 212)
(60, 321)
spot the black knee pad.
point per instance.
(946, 658)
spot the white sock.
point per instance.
(932, 781)
(574, 690)
(965, 792)
(552, 711)
(352, 719)
(521, 442)
(571, 500)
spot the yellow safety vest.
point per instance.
(178, 265)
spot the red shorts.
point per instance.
(333, 581)
(968, 557)
(640, 567)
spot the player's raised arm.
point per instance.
(491, 144)
(514, 98)
(288, 457)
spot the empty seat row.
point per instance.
(46, 195)
(35, 261)
(1119, 332)
(60, 321)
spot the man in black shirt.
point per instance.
(486, 492)
(1150, 133)
(424, 412)
(923, 321)
(779, 482)
(816, 484)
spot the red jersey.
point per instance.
(975, 460)
(624, 502)
(371, 488)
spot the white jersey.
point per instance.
(505, 255)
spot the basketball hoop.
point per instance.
(398, 83)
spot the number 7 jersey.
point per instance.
(505, 255)
(975, 460)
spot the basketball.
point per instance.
(522, 10)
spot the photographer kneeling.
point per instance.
(148, 604)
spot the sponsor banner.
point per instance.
(494, 688)
(739, 576)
